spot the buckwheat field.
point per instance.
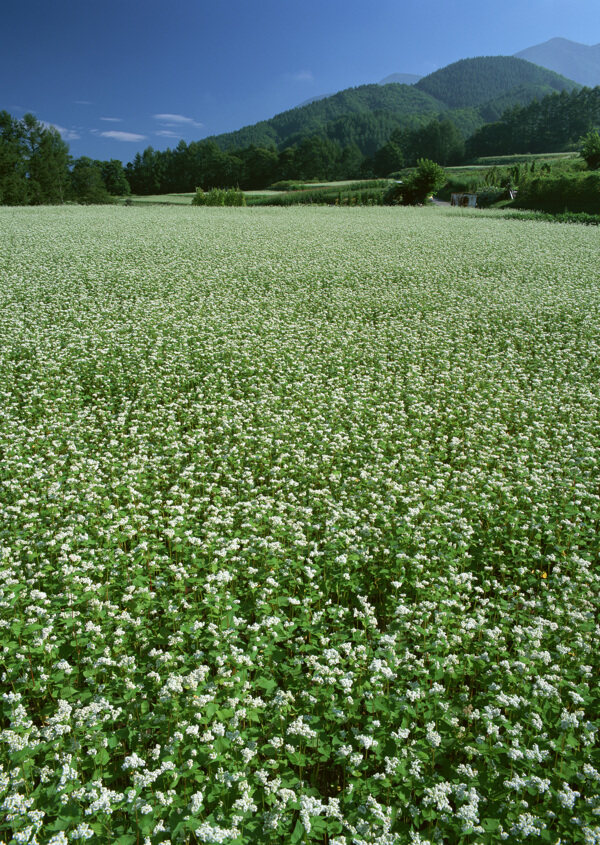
(299, 527)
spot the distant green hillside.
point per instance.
(319, 118)
(551, 124)
(372, 130)
(475, 82)
(470, 93)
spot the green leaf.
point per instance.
(146, 823)
(297, 833)
(268, 684)
(490, 825)
(102, 757)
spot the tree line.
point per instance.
(553, 124)
(35, 165)
(204, 164)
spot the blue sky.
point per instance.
(119, 75)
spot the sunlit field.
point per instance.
(299, 527)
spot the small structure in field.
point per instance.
(464, 200)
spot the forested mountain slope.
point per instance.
(473, 82)
(554, 123)
(403, 101)
(470, 92)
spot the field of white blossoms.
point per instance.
(299, 527)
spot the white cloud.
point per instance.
(303, 76)
(112, 119)
(177, 120)
(166, 133)
(123, 136)
(65, 134)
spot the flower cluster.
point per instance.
(299, 527)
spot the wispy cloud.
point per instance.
(166, 133)
(112, 119)
(65, 134)
(303, 76)
(177, 120)
(123, 136)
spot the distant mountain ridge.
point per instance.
(372, 103)
(473, 82)
(402, 78)
(580, 62)
(471, 92)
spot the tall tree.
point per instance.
(49, 165)
(260, 167)
(438, 140)
(317, 158)
(87, 185)
(34, 162)
(387, 159)
(13, 167)
(113, 176)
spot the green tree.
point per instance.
(426, 180)
(49, 167)
(87, 185)
(34, 162)
(317, 158)
(113, 176)
(416, 188)
(286, 168)
(145, 174)
(13, 168)
(350, 162)
(260, 167)
(590, 149)
(387, 159)
(438, 140)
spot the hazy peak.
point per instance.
(580, 62)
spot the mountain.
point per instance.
(314, 99)
(402, 78)
(470, 92)
(569, 58)
(321, 117)
(473, 82)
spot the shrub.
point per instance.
(575, 192)
(417, 187)
(219, 197)
(490, 195)
(356, 193)
(590, 151)
(234, 197)
(286, 185)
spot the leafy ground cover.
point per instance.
(369, 192)
(158, 199)
(300, 527)
(522, 158)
